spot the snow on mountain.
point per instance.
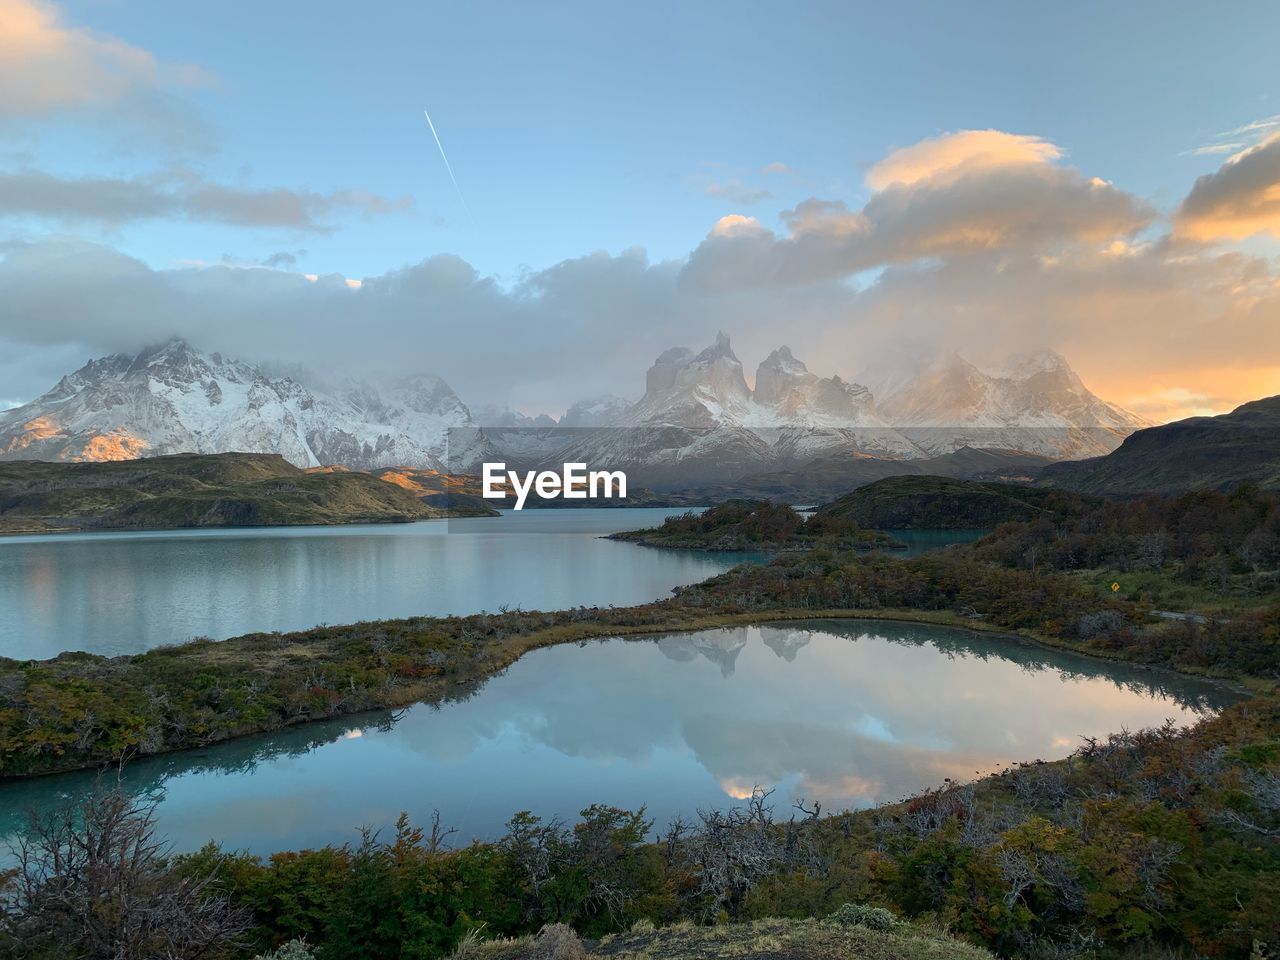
(1031, 402)
(594, 411)
(174, 399)
(698, 419)
(699, 416)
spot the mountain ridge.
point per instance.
(699, 420)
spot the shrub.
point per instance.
(862, 915)
(293, 950)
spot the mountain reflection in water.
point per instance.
(847, 712)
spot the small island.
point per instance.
(759, 525)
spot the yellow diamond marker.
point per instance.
(1115, 587)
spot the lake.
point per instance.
(123, 592)
(850, 713)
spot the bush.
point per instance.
(293, 950)
(861, 915)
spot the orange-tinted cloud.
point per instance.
(1240, 199)
(46, 64)
(953, 154)
(963, 193)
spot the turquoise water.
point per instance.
(124, 592)
(848, 713)
(924, 541)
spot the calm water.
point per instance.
(848, 713)
(124, 592)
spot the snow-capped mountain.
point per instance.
(699, 418)
(174, 399)
(1033, 402)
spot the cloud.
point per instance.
(777, 167)
(737, 192)
(1261, 126)
(952, 154)
(179, 194)
(1212, 149)
(1237, 139)
(1240, 199)
(985, 256)
(964, 193)
(47, 65)
(281, 258)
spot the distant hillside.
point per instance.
(194, 490)
(944, 503)
(757, 525)
(1200, 453)
(828, 477)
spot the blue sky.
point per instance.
(581, 127)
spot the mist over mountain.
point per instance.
(699, 417)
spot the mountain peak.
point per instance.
(715, 373)
(171, 398)
(175, 346)
(174, 359)
(783, 360)
(721, 349)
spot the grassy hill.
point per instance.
(1209, 453)
(942, 503)
(195, 490)
(460, 494)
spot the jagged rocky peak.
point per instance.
(661, 377)
(720, 350)
(174, 361)
(779, 375)
(715, 374)
(787, 385)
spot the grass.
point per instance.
(194, 490)
(771, 939)
(1164, 590)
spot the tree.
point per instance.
(93, 881)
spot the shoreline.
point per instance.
(252, 651)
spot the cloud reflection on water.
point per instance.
(844, 712)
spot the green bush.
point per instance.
(862, 915)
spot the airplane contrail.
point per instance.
(445, 158)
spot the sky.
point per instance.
(859, 181)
